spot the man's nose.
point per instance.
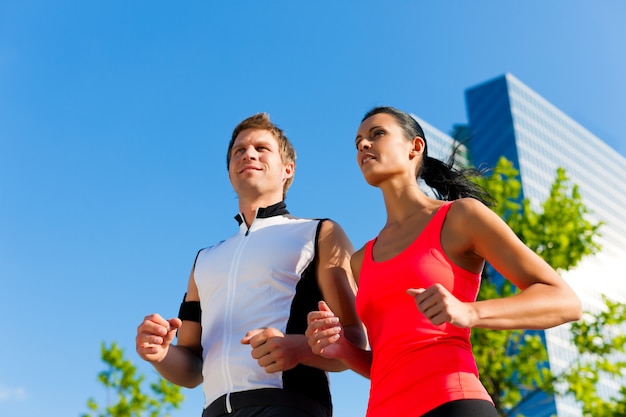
(250, 154)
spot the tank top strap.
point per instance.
(431, 235)
(441, 213)
(367, 256)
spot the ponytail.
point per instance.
(450, 183)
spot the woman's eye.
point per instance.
(378, 133)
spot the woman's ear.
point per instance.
(418, 146)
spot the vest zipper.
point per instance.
(232, 288)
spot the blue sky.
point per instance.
(114, 122)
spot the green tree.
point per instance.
(601, 344)
(120, 379)
(510, 362)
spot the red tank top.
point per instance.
(416, 366)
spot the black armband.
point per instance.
(190, 310)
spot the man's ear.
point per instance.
(289, 170)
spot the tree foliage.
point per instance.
(601, 344)
(512, 364)
(560, 233)
(129, 399)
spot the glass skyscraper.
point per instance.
(507, 118)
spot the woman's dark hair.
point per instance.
(448, 182)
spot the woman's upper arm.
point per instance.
(335, 275)
(494, 241)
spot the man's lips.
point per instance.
(249, 168)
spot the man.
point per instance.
(240, 331)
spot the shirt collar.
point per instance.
(277, 209)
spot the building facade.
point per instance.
(507, 118)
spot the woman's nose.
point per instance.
(364, 144)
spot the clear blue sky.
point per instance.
(114, 122)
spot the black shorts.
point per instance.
(269, 411)
(267, 402)
(464, 408)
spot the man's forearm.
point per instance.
(181, 367)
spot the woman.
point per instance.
(418, 281)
